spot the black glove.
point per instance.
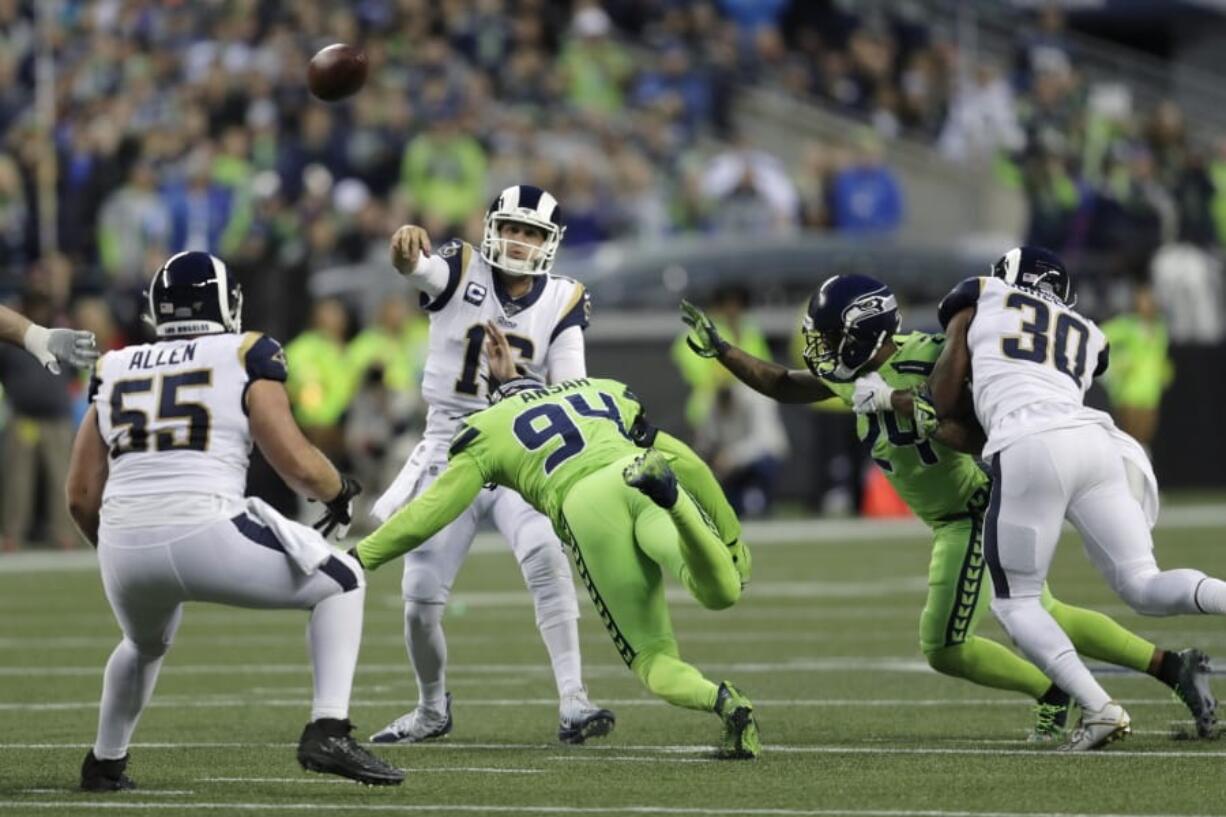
(339, 513)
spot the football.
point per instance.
(336, 72)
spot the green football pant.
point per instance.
(958, 596)
(622, 543)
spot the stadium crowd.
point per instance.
(188, 126)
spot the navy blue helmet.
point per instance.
(1037, 269)
(194, 294)
(849, 318)
(524, 204)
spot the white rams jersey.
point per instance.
(455, 380)
(173, 416)
(1032, 360)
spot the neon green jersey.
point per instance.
(541, 443)
(935, 481)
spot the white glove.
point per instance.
(55, 346)
(872, 394)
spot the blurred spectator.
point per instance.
(982, 119)
(14, 214)
(744, 441)
(738, 431)
(1140, 367)
(320, 382)
(596, 68)
(200, 208)
(133, 228)
(866, 195)
(443, 172)
(37, 438)
(1188, 285)
(749, 190)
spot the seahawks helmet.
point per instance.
(1037, 269)
(194, 294)
(849, 318)
(524, 204)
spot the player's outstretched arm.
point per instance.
(442, 502)
(303, 466)
(51, 346)
(776, 382)
(87, 473)
(412, 257)
(953, 367)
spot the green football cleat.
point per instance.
(740, 741)
(650, 474)
(1051, 716)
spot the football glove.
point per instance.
(338, 511)
(924, 413)
(872, 394)
(703, 338)
(55, 346)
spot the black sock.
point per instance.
(1055, 696)
(1168, 668)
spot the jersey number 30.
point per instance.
(170, 407)
(1039, 339)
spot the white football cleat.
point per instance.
(580, 719)
(1097, 728)
(417, 726)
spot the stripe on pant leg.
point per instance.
(257, 533)
(334, 568)
(990, 546)
(968, 586)
(623, 647)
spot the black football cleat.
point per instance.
(105, 775)
(326, 747)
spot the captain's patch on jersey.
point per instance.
(475, 293)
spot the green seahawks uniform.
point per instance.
(564, 449)
(949, 492)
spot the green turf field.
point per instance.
(824, 642)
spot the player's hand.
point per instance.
(703, 338)
(924, 413)
(499, 354)
(872, 394)
(407, 245)
(55, 346)
(339, 509)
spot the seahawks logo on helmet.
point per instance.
(848, 320)
(522, 204)
(193, 294)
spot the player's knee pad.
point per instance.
(1009, 611)
(1153, 592)
(149, 649)
(421, 583)
(547, 574)
(422, 617)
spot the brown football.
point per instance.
(336, 72)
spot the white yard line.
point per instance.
(298, 703)
(450, 808)
(702, 749)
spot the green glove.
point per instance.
(924, 413)
(703, 338)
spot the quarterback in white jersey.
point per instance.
(156, 483)
(505, 283)
(1030, 359)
